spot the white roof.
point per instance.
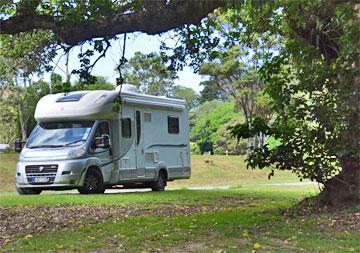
(97, 104)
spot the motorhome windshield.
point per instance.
(60, 134)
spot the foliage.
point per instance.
(194, 149)
(225, 143)
(315, 99)
(211, 92)
(225, 28)
(8, 120)
(205, 125)
(236, 75)
(24, 54)
(187, 94)
(150, 74)
(100, 83)
(18, 104)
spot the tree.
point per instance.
(18, 106)
(211, 92)
(100, 83)
(234, 74)
(187, 94)
(25, 54)
(315, 92)
(150, 74)
(74, 22)
(225, 143)
(205, 122)
(9, 127)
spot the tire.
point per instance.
(28, 191)
(93, 183)
(160, 183)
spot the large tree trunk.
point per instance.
(345, 187)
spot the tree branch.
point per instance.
(153, 17)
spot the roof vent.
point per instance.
(72, 96)
(127, 88)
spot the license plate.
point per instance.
(40, 179)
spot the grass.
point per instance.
(206, 170)
(258, 225)
(228, 170)
(249, 217)
(7, 171)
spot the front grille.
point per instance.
(40, 172)
(41, 168)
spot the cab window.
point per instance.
(98, 140)
(102, 129)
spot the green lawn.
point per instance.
(206, 170)
(248, 217)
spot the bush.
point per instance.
(194, 149)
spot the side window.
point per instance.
(147, 116)
(102, 129)
(173, 125)
(138, 127)
(126, 127)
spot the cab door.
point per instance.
(103, 153)
(139, 145)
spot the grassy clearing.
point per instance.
(256, 224)
(206, 170)
(228, 170)
(248, 217)
(145, 198)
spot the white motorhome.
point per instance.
(94, 140)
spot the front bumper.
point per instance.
(68, 174)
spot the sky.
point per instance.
(106, 66)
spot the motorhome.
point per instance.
(95, 140)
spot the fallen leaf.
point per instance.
(257, 246)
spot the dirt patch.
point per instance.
(29, 220)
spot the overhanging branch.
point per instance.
(153, 18)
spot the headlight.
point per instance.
(75, 153)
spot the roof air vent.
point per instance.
(71, 97)
(127, 88)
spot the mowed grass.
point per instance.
(257, 225)
(206, 171)
(228, 170)
(250, 218)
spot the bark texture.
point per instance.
(345, 187)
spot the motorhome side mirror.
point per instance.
(18, 145)
(106, 141)
(102, 142)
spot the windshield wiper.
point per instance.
(73, 142)
(46, 146)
